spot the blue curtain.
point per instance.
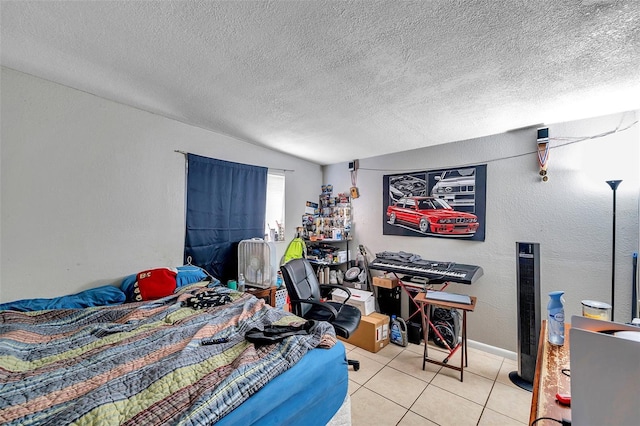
(225, 204)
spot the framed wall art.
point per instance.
(445, 203)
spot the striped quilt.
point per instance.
(140, 363)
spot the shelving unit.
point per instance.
(328, 242)
(327, 231)
(336, 263)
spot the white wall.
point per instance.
(92, 190)
(570, 216)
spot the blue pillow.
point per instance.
(99, 296)
(189, 274)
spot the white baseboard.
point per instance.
(492, 349)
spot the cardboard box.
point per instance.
(361, 299)
(372, 333)
(386, 282)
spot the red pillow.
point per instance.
(155, 283)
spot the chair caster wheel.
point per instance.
(356, 365)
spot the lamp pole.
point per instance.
(614, 185)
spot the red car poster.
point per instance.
(446, 203)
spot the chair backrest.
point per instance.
(302, 283)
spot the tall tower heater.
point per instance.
(529, 319)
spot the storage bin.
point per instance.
(281, 297)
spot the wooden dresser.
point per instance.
(268, 294)
(550, 380)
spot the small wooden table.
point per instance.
(424, 302)
(268, 294)
(550, 380)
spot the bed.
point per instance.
(144, 363)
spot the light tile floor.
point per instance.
(392, 389)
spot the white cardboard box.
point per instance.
(361, 299)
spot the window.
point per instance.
(274, 215)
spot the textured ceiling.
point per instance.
(332, 81)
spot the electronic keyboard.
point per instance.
(436, 272)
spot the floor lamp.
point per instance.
(614, 185)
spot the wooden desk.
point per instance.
(424, 302)
(549, 379)
(268, 294)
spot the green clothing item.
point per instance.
(295, 250)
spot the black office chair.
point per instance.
(305, 295)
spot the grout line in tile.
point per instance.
(451, 392)
(419, 378)
(415, 414)
(386, 397)
(430, 383)
(484, 407)
(414, 402)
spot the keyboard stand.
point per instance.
(423, 287)
(405, 284)
(424, 304)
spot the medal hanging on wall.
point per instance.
(354, 189)
(543, 152)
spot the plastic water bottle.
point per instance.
(241, 282)
(555, 320)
